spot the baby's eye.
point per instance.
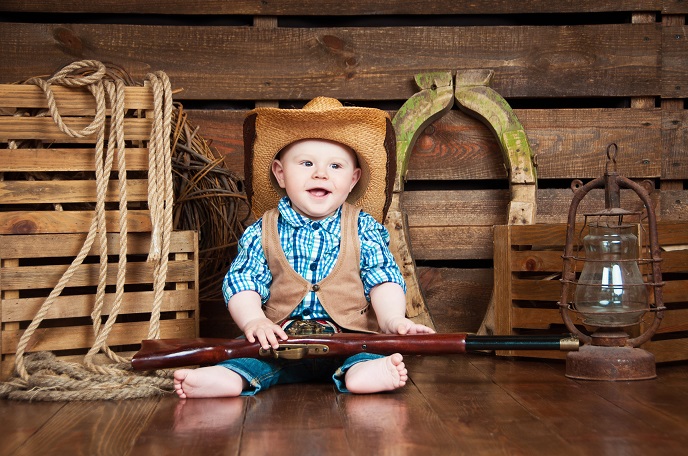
(307, 163)
(335, 166)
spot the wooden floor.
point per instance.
(465, 404)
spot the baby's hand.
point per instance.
(266, 331)
(402, 325)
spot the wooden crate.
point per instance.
(528, 266)
(47, 201)
(33, 264)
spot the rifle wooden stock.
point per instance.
(169, 353)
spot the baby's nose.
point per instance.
(320, 172)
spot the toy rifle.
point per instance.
(169, 353)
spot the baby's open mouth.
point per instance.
(319, 192)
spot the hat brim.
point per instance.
(367, 131)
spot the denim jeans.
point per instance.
(262, 374)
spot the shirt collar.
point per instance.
(331, 224)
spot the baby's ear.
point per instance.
(355, 178)
(278, 172)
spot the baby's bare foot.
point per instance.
(383, 374)
(213, 381)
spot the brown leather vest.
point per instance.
(340, 293)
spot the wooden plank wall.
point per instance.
(580, 74)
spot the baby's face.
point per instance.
(317, 175)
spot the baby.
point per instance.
(314, 256)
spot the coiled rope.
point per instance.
(40, 376)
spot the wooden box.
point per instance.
(47, 202)
(33, 264)
(528, 264)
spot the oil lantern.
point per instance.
(612, 281)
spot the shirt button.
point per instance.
(306, 312)
(314, 266)
(315, 287)
(316, 226)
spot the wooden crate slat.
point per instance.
(536, 290)
(553, 235)
(502, 280)
(675, 291)
(65, 245)
(44, 128)
(69, 101)
(675, 320)
(550, 290)
(463, 242)
(673, 233)
(668, 350)
(459, 147)
(538, 318)
(527, 318)
(553, 204)
(489, 207)
(674, 261)
(24, 309)
(68, 191)
(452, 242)
(537, 260)
(538, 234)
(569, 143)
(356, 63)
(674, 143)
(584, 134)
(451, 208)
(61, 159)
(73, 337)
(673, 205)
(45, 222)
(674, 61)
(35, 277)
(551, 261)
(330, 7)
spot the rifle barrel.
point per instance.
(563, 342)
(169, 353)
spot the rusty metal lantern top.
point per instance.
(612, 218)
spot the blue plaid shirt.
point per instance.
(312, 248)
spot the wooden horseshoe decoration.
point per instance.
(476, 98)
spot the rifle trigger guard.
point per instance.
(295, 351)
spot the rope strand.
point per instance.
(160, 192)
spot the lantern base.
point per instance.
(592, 362)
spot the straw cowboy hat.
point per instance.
(368, 131)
